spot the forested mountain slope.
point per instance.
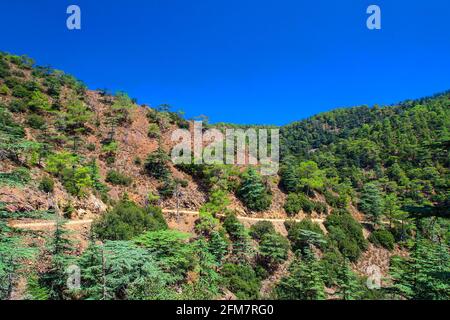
(377, 178)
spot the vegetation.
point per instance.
(382, 238)
(377, 172)
(253, 192)
(117, 178)
(127, 220)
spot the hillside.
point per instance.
(357, 187)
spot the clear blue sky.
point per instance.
(242, 61)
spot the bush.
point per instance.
(167, 188)
(68, 210)
(259, 229)
(36, 121)
(47, 185)
(90, 147)
(346, 233)
(153, 131)
(156, 164)
(296, 202)
(331, 263)
(241, 280)
(127, 220)
(137, 161)
(19, 91)
(117, 178)
(320, 208)
(183, 183)
(4, 69)
(17, 106)
(304, 233)
(77, 181)
(39, 102)
(382, 238)
(4, 90)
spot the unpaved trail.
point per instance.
(39, 225)
(46, 224)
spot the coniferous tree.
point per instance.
(348, 284)
(253, 192)
(371, 201)
(304, 282)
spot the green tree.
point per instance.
(126, 221)
(76, 117)
(273, 250)
(304, 281)
(253, 192)
(156, 164)
(13, 256)
(241, 279)
(371, 201)
(55, 278)
(425, 274)
(261, 228)
(39, 102)
(349, 286)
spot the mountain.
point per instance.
(357, 187)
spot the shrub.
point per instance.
(241, 280)
(304, 233)
(117, 178)
(296, 202)
(68, 210)
(320, 208)
(331, 263)
(47, 185)
(156, 164)
(183, 183)
(153, 131)
(382, 238)
(39, 102)
(4, 69)
(167, 188)
(36, 121)
(127, 220)
(77, 181)
(17, 106)
(259, 229)
(137, 161)
(90, 147)
(19, 91)
(18, 73)
(4, 90)
(346, 233)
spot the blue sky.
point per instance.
(241, 61)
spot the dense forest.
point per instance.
(356, 186)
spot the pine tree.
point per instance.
(304, 282)
(253, 192)
(13, 255)
(423, 275)
(349, 286)
(55, 279)
(371, 202)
